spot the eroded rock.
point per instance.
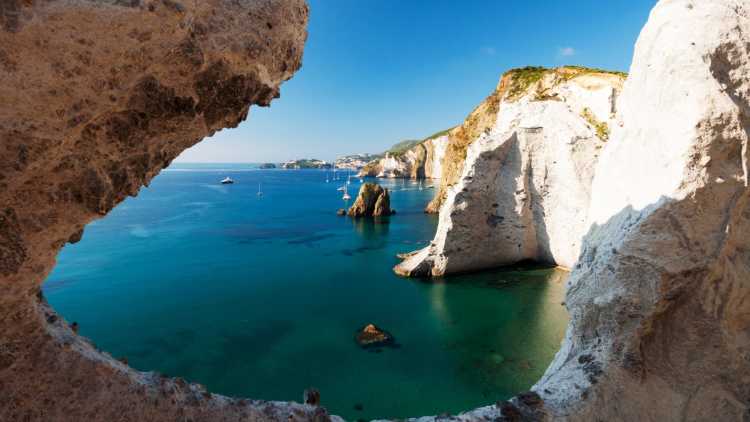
(96, 98)
(659, 295)
(524, 190)
(658, 298)
(372, 201)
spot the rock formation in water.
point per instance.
(420, 161)
(373, 336)
(372, 201)
(530, 152)
(96, 97)
(660, 295)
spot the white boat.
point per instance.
(346, 196)
(227, 181)
(341, 189)
(260, 192)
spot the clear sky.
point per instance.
(379, 71)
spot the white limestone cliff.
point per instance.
(422, 161)
(525, 185)
(660, 296)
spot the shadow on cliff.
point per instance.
(513, 237)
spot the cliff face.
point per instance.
(97, 98)
(659, 297)
(422, 161)
(524, 189)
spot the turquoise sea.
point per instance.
(260, 297)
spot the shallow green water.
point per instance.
(261, 297)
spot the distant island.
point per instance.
(307, 163)
(355, 161)
(268, 166)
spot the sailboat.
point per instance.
(327, 181)
(260, 192)
(346, 196)
(227, 181)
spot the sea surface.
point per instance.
(261, 296)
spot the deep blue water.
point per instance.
(260, 297)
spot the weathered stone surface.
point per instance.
(660, 325)
(660, 295)
(96, 97)
(372, 201)
(525, 187)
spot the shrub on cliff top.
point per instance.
(523, 78)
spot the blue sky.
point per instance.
(379, 71)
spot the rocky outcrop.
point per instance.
(372, 201)
(660, 295)
(97, 98)
(421, 161)
(525, 186)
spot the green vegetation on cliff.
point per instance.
(403, 146)
(521, 79)
(602, 129)
(439, 134)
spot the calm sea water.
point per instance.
(261, 297)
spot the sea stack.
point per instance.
(373, 336)
(372, 201)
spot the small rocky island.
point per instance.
(372, 201)
(268, 166)
(372, 336)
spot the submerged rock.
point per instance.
(372, 336)
(341, 212)
(372, 201)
